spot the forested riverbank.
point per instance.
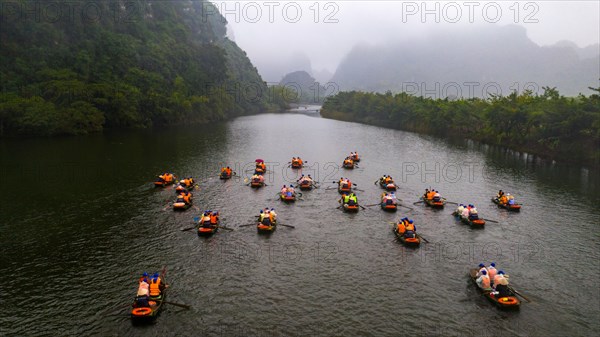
(549, 125)
(122, 65)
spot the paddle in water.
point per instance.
(518, 293)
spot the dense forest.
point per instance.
(69, 67)
(549, 125)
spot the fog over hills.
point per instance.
(470, 63)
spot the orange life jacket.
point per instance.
(401, 228)
(430, 195)
(154, 287)
(214, 219)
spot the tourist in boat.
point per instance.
(345, 198)
(492, 271)
(460, 209)
(500, 194)
(272, 215)
(436, 196)
(205, 220)
(257, 178)
(401, 227)
(510, 200)
(352, 199)
(465, 212)
(143, 293)
(156, 286)
(284, 189)
(214, 218)
(144, 276)
(501, 285)
(411, 230)
(388, 198)
(291, 190)
(187, 197)
(345, 183)
(266, 218)
(481, 269)
(483, 281)
(261, 215)
(473, 213)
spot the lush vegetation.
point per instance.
(550, 125)
(120, 65)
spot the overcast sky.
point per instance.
(271, 31)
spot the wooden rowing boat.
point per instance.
(409, 242)
(479, 223)
(507, 302)
(514, 207)
(147, 311)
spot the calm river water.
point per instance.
(80, 221)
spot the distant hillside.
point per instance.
(305, 86)
(134, 64)
(437, 65)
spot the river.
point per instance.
(80, 221)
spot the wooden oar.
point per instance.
(361, 206)
(246, 225)
(490, 220)
(226, 228)
(185, 306)
(412, 209)
(373, 205)
(418, 202)
(518, 293)
(281, 224)
(419, 235)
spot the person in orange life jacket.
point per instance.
(481, 268)
(492, 271)
(426, 193)
(272, 215)
(214, 218)
(411, 230)
(156, 286)
(401, 227)
(266, 218)
(430, 195)
(483, 281)
(501, 285)
(187, 197)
